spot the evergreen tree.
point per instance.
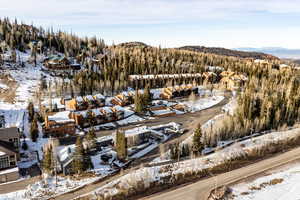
(197, 143)
(24, 146)
(138, 102)
(48, 160)
(34, 131)
(147, 97)
(121, 145)
(79, 157)
(30, 109)
(91, 138)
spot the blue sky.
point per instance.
(169, 23)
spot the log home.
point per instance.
(59, 124)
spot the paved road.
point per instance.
(200, 190)
(19, 185)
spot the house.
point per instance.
(58, 62)
(136, 136)
(97, 116)
(11, 135)
(9, 154)
(119, 112)
(108, 113)
(231, 80)
(59, 124)
(77, 103)
(86, 102)
(178, 91)
(100, 99)
(123, 99)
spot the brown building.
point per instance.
(59, 124)
(123, 99)
(56, 62)
(86, 102)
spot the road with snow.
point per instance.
(200, 190)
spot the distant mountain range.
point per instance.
(229, 52)
(276, 51)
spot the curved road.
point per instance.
(201, 189)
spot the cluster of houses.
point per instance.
(178, 91)
(232, 80)
(137, 140)
(64, 123)
(123, 99)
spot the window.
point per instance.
(4, 163)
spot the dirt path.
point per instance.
(200, 190)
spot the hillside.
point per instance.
(276, 51)
(229, 52)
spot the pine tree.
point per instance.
(48, 160)
(78, 161)
(30, 109)
(147, 97)
(24, 146)
(197, 143)
(91, 138)
(121, 145)
(138, 102)
(34, 131)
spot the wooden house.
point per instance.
(100, 100)
(108, 113)
(118, 112)
(57, 62)
(59, 124)
(123, 99)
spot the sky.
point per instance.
(168, 23)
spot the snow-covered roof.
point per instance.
(7, 171)
(2, 153)
(56, 101)
(152, 76)
(107, 109)
(97, 112)
(136, 131)
(79, 99)
(89, 97)
(119, 108)
(64, 152)
(99, 96)
(61, 117)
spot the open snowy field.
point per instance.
(281, 184)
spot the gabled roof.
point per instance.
(12, 132)
(7, 147)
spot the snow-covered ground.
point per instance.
(148, 175)
(280, 185)
(47, 187)
(203, 103)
